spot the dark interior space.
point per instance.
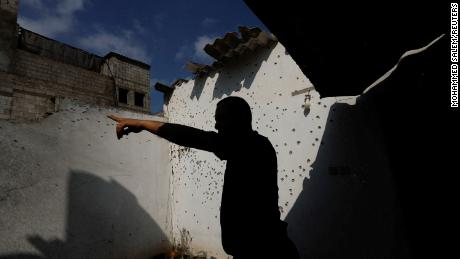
(348, 207)
(122, 95)
(343, 48)
(139, 99)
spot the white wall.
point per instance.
(322, 176)
(70, 189)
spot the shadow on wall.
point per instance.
(348, 207)
(104, 220)
(238, 72)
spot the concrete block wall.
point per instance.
(8, 31)
(335, 185)
(131, 77)
(63, 78)
(37, 83)
(6, 97)
(55, 78)
(129, 72)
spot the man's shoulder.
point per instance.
(263, 140)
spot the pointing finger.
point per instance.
(113, 117)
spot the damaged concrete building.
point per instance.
(38, 71)
(68, 189)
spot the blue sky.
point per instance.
(163, 33)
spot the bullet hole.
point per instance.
(319, 127)
(300, 167)
(281, 77)
(311, 131)
(316, 139)
(292, 180)
(303, 170)
(89, 145)
(23, 148)
(317, 116)
(282, 179)
(325, 106)
(15, 140)
(276, 63)
(285, 143)
(313, 144)
(185, 211)
(298, 142)
(319, 103)
(293, 130)
(278, 56)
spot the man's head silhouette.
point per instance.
(233, 116)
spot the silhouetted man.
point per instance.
(249, 215)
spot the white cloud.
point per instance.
(66, 7)
(49, 26)
(199, 45)
(37, 4)
(138, 27)
(182, 53)
(195, 51)
(57, 17)
(208, 22)
(159, 20)
(102, 42)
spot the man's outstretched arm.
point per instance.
(176, 133)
